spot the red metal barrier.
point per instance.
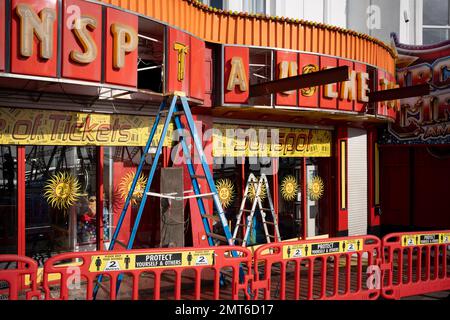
(317, 269)
(17, 268)
(190, 273)
(415, 263)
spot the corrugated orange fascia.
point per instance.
(227, 27)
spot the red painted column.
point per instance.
(342, 185)
(21, 201)
(373, 183)
(100, 196)
(275, 162)
(21, 213)
(304, 201)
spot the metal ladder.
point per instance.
(169, 109)
(257, 185)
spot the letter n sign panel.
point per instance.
(82, 40)
(121, 48)
(236, 75)
(2, 35)
(34, 37)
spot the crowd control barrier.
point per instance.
(333, 268)
(13, 271)
(415, 263)
(361, 267)
(165, 273)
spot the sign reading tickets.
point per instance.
(424, 239)
(38, 127)
(234, 141)
(292, 251)
(120, 262)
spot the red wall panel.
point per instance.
(197, 67)
(431, 205)
(173, 84)
(2, 35)
(346, 105)
(306, 59)
(395, 181)
(209, 75)
(126, 76)
(283, 99)
(327, 103)
(33, 65)
(236, 95)
(71, 69)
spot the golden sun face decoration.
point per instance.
(125, 186)
(289, 188)
(252, 191)
(225, 190)
(62, 190)
(315, 188)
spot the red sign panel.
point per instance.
(326, 102)
(27, 58)
(2, 35)
(360, 69)
(345, 104)
(127, 74)
(286, 66)
(309, 97)
(75, 33)
(179, 52)
(236, 75)
(197, 67)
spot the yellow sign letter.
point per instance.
(125, 40)
(237, 75)
(41, 26)
(81, 31)
(182, 51)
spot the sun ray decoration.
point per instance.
(225, 189)
(315, 188)
(125, 186)
(62, 190)
(289, 188)
(252, 191)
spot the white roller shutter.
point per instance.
(357, 182)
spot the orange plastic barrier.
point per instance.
(186, 273)
(403, 264)
(415, 263)
(14, 276)
(334, 268)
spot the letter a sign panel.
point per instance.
(236, 82)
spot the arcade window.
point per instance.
(436, 21)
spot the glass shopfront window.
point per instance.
(290, 175)
(60, 188)
(8, 200)
(120, 165)
(317, 196)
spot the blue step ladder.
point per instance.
(170, 108)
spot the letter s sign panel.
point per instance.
(29, 55)
(82, 40)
